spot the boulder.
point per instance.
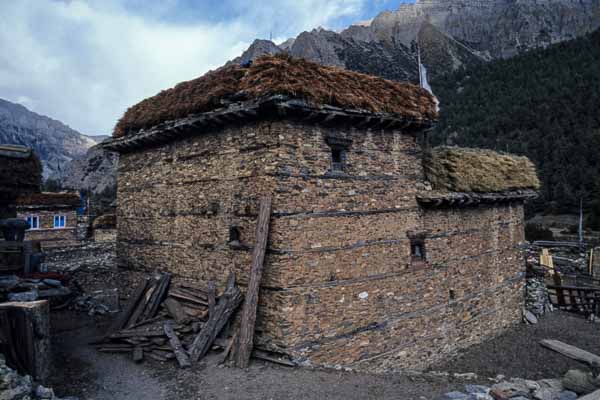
(42, 392)
(554, 385)
(567, 395)
(32, 295)
(579, 381)
(529, 317)
(544, 394)
(477, 389)
(509, 390)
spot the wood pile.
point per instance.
(165, 322)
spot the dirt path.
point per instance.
(517, 353)
(82, 371)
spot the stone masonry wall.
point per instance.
(105, 235)
(339, 286)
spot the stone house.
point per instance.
(52, 217)
(368, 265)
(104, 228)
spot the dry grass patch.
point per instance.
(477, 170)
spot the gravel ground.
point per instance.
(92, 375)
(517, 353)
(82, 371)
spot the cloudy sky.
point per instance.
(85, 62)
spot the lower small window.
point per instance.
(60, 221)
(337, 159)
(234, 234)
(417, 249)
(33, 221)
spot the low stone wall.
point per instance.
(105, 235)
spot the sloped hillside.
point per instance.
(54, 142)
(544, 104)
(94, 172)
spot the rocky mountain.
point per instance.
(55, 143)
(450, 34)
(95, 172)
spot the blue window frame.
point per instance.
(33, 221)
(60, 221)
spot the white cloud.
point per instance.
(84, 63)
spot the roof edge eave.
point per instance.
(437, 199)
(278, 107)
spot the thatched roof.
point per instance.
(268, 76)
(106, 221)
(454, 169)
(49, 200)
(20, 171)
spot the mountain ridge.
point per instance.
(54, 142)
(469, 32)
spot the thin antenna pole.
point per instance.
(581, 221)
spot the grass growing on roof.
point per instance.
(476, 170)
(279, 75)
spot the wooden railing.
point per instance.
(585, 299)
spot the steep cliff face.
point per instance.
(55, 143)
(95, 171)
(450, 34)
(495, 28)
(257, 48)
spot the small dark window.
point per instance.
(417, 249)
(338, 157)
(234, 234)
(339, 147)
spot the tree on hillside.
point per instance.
(544, 104)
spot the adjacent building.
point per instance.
(382, 254)
(104, 228)
(52, 217)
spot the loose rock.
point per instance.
(579, 382)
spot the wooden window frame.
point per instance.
(59, 216)
(37, 217)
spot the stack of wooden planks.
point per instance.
(164, 321)
(184, 322)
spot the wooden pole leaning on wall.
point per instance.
(245, 339)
